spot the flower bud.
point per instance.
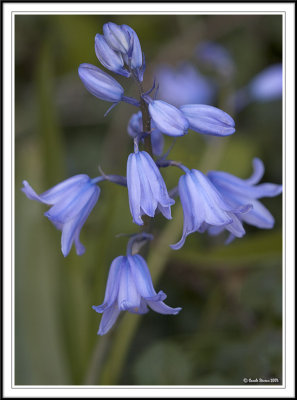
(136, 53)
(108, 57)
(116, 37)
(208, 120)
(168, 119)
(135, 125)
(100, 84)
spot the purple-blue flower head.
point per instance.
(146, 188)
(130, 288)
(239, 192)
(111, 59)
(204, 206)
(100, 84)
(135, 128)
(72, 201)
(167, 118)
(208, 120)
(183, 85)
(268, 84)
(123, 43)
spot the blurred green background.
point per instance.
(231, 323)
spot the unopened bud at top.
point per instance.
(136, 52)
(111, 59)
(116, 37)
(123, 49)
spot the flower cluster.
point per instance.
(211, 202)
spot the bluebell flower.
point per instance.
(111, 59)
(135, 128)
(204, 206)
(183, 85)
(72, 201)
(214, 55)
(130, 288)
(100, 84)
(239, 192)
(208, 120)
(146, 188)
(268, 84)
(167, 118)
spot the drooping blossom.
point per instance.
(72, 201)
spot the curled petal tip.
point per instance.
(176, 310)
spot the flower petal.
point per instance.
(236, 227)
(191, 222)
(112, 286)
(128, 296)
(148, 200)
(76, 223)
(79, 247)
(239, 188)
(162, 308)
(72, 205)
(58, 192)
(209, 200)
(141, 276)
(156, 180)
(108, 319)
(134, 190)
(258, 172)
(259, 216)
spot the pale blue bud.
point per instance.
(100, 84)
(208, 120)
(167, 118)
(116, 37)
(108, 57)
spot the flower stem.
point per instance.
(146, 119)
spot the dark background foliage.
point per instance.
(231, 323)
